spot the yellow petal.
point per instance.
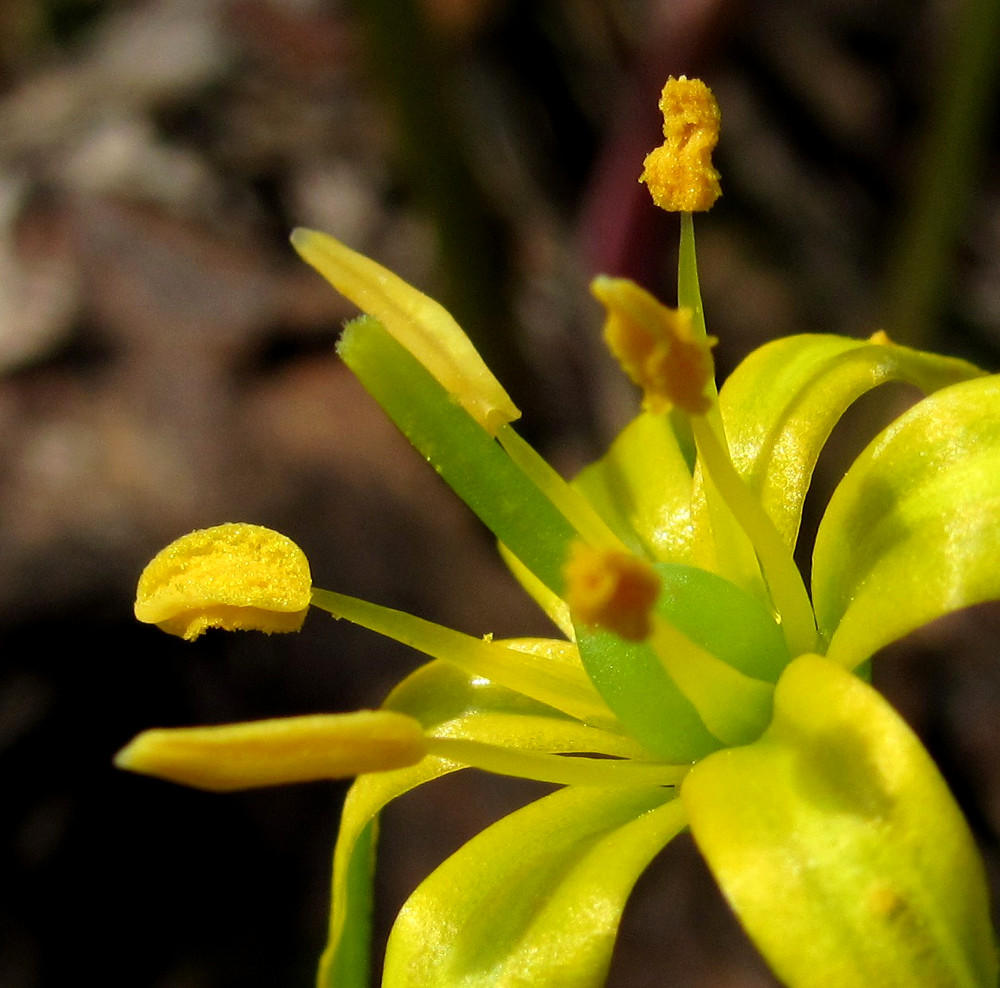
(232, 576)
(276, 752)
(679, 173)
(416, 321)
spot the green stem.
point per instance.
(576, 509)
(924, 257)
(414, 70)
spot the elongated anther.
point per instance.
(416, 321)
(276, 752)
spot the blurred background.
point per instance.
(167, 363)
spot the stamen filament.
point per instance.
(735, 553)
(688, 287)
(560, 685)
(784, 581)
(575, 508)
(570, 770)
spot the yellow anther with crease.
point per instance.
(232, 576)
(679, 173)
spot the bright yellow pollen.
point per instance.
(276, 752)
(233, 576)
(679, 173)
(657, 348)
(610, 589)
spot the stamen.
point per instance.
(679, 173)
(784, 581)
(276, 752)
(562, 685)
(575, 508)
(232, 576)
(657, 347)
(610, 589)
(419, 323)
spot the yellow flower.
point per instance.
(697, 683)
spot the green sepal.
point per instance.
(642, 488)
(839, 846)
(644, 696)
(911, 532)
(349, 964)
(723, 619)
(461, 451)
(781, 403)
(536, 898)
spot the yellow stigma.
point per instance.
(610, 589)
(679, 173)
(233, 576)
(657, 347)
(276, 752)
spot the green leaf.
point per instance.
(536, 899)
(839, 846)
(913, 530)
(461, 451)
(783, 400)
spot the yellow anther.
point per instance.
(656, 347)
(233, 576)
(276, 752)
(679, 173)
(610, 589)
(881, 337)
(416, 321)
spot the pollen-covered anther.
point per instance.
(609, 589)
(657, 347)
(232, 576)
(679, 173)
